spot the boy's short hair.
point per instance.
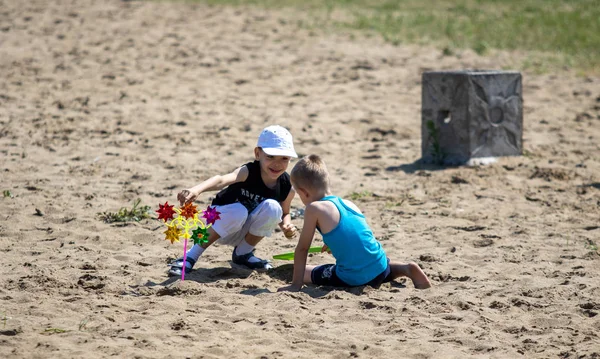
(310, 172)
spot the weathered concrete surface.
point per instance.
(471, 114)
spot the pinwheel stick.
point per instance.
(184, 260)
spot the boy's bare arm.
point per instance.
(311, 215)
(212, 184)
(289, 230)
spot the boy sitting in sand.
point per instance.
(360, 259)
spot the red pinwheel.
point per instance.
(165, 212)
(211, 215)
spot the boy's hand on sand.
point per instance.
(289, 288)
(186, 196)
(289, 230)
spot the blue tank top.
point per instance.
(359, 256)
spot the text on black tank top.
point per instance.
(253, 190)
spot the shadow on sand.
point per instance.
(284, 273)
(417, 167)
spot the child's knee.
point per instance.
(271, 209)
(265, 218)
(232, 220)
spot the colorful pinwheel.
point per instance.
(180, 221)
(211, 215)
(165, 212)
(188, 211)
(173, 233)
(200, 235)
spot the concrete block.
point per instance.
(469, 115)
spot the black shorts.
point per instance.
(325, 275)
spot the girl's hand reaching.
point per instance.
(186, 196)
(289, 230)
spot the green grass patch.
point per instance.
(591, 245)
(434, 138)
(4, 319)
(555, 32)
(136, 213)
(360, 195)
(82, 325)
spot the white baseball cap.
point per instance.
(277, 141)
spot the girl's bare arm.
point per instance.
(213, 184)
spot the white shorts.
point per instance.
(235, 222)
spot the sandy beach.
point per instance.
(105, 102)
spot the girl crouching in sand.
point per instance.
(253, 200)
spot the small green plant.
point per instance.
(394, 204)
(481, 47)
(591, 245)
(4, 318)
(83, 323)
(448, 51)
(7, 193)
(434, 137)
(358, 195)
(136, 213)
(54, 331)
(528, 154)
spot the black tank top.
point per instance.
(253, 190)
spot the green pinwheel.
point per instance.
(200, 235)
